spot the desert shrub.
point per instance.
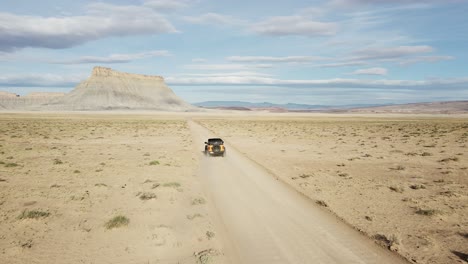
(148, 196)
(193, 216)
(321, 203)
(428, 212)
(197, 201)
(33, 214)
(11, 164)
(449, 159)
(417, 186)
(154, 162)
(171, 184)
(57, 162)
(117, 221)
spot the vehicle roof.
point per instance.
(215, 139)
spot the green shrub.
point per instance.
(117, 221)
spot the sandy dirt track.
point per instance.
(265, 221)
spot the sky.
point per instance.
(336, 52)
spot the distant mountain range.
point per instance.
(288, 106)
(448, 107)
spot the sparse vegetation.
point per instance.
(117, 221)
(427, 212)
(154, 162)
(449, 159)
(11, 165)
(417, 186)
(33, 214)
(147, 196)
(172, 184)
(198, 201)
(193, 216)
(321, 203)
(57, 161)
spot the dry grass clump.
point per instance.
(427, 212)
(172, 184)
(449, 159)
(33, 214)
(417, 186)
(11, 165)
(148, 196)
(321, 203)
(198, 201)
(154, 162)
(117, 221)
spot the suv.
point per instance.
(215, 147)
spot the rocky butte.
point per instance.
(105, 89)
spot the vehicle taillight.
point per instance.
(210, 148)
(222, 147)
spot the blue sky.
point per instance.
(315, 52)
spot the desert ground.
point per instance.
(135, 188)
(101, 189)
(401, 180)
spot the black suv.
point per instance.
(215, 147)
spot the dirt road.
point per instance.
(262, 220)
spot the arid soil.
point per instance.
(101, 189)
(135, 188)
(401, 180)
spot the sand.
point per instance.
(400, 180)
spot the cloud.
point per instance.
(383, 84)
(392, 52)
(371, 71)
(115, 58)
(166, 5)
(224, 74)
(100, 21)
(213, 19)
(222, 67)
(341, 64)
(266, 59)
(294, 25)
(40, 80)
(425, 59)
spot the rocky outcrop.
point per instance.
(32, 101)
(107, 89)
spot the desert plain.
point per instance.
(130, 188)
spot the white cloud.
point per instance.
(425, 59)
(432, 84)
(166, 5)
(100, 21)
(371, 71)
(213, 19)
(224, 74)
(392, 52)
(223, 67)
(342, 64)
(266, 59)
(115, 58)
(294, 25)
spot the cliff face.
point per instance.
(107, 89)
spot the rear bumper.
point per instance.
(211, 153)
